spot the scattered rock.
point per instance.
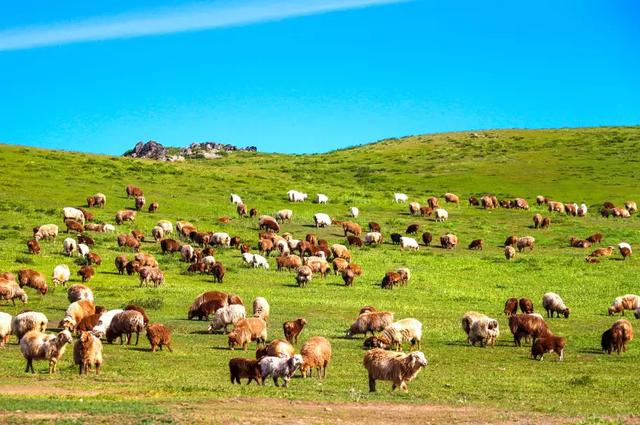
(207, 150)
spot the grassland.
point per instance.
(581, 165)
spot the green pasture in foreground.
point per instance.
(581, 165)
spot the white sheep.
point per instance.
(322, 220)
(61, 274)
(484, 330)
(321, 198)
(209, 260)
(284, 215)
(227, 315)
(293, 243)
(441, 214)
(5, 328)
(283, 246)
(69, 245)
(279, 367)
(408, 243)
(373, 238)
(235, 199)
(261, 308)
(402, 331)
(582, 211)
(37, 345)
(260, 261)
(166, 226)
(399, 368)
(79, 292)
(100, 329)
(46, 231)
(247, 257)
(295, 196)
(28, 321)
(354, 212)
(83, 250)
(187, 252)
(552, 303)
(108, 227)
(221, 239)
(70, 213)
(400, 197)
(158, 233)
(469, 318)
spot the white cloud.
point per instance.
(195, 17)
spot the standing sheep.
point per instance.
(5, 328)
(261, 308)
(293, 328)
(399, 368)
(87, 352)
(28, 321)
(316, 354)
(372, 321)
(159, 335)
(36, 345)
(244, 368)
(552, 303)
(401, 331)
(61, 274)
(126, 322)
(226, 316)
(279, 367)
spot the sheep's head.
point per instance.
(418, 358)
(566, 312)
(23, 297)
(234, 339)
(65, 337)
(68, 323)
(637, 313)
(295, 361)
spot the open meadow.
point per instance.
(567, 165)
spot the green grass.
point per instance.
(581, 165)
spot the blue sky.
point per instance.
(258, 73)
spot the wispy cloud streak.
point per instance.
(195, 17)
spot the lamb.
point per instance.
(77, 311)
(261, 308)
(260, 261)
(399, 368)
(527, 325)
(28, 321)
(293, 328)
(33, 246)
(525, 242)
(401, 331)
(276, 348)
(548, 344)
(10, 290)
(36, 345)
(244, 368)
(322, 220)
(373, 238)
(5, 328)
(87, 352)
(409, 243)
(247, 330)
(546, 222)
(46, 231)
(400, 197)
(526, 305)
(225, 316)
(441, 214)
(33, 279)
(279, 367)
(485, 330)
(139, 202)
(625, 250)
(159, 336)
(511, 307)
(79, 292)
(86, 273)
(126, 322)
(316, 354)
(552, 303)
(624, 302)
(448, 241)
(69, 213)
(304, 274)
(69, 246)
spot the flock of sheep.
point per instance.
(384, 359)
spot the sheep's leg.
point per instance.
(137, 337)
(275, 381)
(80, 369)
(561, 355)
(97, 368)
(29, 366)
(372, 384)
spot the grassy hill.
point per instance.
(581, 165)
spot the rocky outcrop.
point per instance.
(209, 150)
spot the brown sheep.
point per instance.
(353, 228)
(159, 336)
(293, 328)
(241, 209)
(509, 252)
(617, 337)
(595, 238)
(371, 321)
(473, 201)
(153, 207)
(488, 202)
(235, 241)
(525, 242)
(541, 200)
(426, 211)
(87, 352)
(92, 227)
(244, 368)
(374, 227)
(269, 224)
(88, 323)
(86, 273)
(548, 344)
(97, 200)
(139, 202)
(602, 252)
(511, 307)
(33, 279)
(527, 325)
(138, 235)
(217, 270)
(451, 198)
(340, 251)
(133, 191)
(399, 368)
(247, 330)
(526, 305)
(170, 246)
(304, 247)
(579, 243)
(74, 226)
(316, 354)
(146, 259)
(367, 309)
(427, 237)
(348, 276)
(477, 244)
(390, 280)
(128, 241)
(339, 265)
(276, 348)
(412, 229)
(145, 318)
(448, 241)
(546, 222)
(85, 240)
(244, 248)
(537, 220)
(354, 240)
(290, 262)
(511, 241)
(125, 215)
(126, 323)
(433, 202)
(33, 246)
(132, 267)
(93, 258)
(265, 246)
(77, 311)
(198, 267)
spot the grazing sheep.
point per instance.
(86, 273)
(128, 241)
(153, 207)
(221, 239)
(391, 279)
(321, 220)
(74, 226)
(509, 252)
(36, 345)
(145, 318)
(526, 305)
(396, 237)
(405, 275)
(289, 262)
(484, 330)
(304, 275)
(87, 352)
(88, 323)
(151, 275)
(625, 250)
(284, 215)
(433, 202)
(476, 244)
(244, 368)
(218, 271)
(33, 279)
(46, 231)
(278, 367)
(316, 354)
(77, 311)
(541, 200)
(617, 337)
(552, 303)
(83, 250)
(247, 330)
(527, 325)
(133, 191)
(399, 368)
(260, 262)
(602, 252)
(33, 246)
(317, 265)
(448, 241)
(295, 196)
(202, 310)
(546, 222)
(276, 348)
(104, 323)
(374, 321)
(348, 277)
(441, 214)
(374, 227)
(69, 213)
(354, 212)
(225, 316)
(595, 238)
(125, 215)
(556, 206)
(93, 258)
(235, 199)
(5, 328)
(426, 211)
(414, 208)
(537, 220)
(405, 330)
(293, 328)
(624, 302)
(350, 227)
(489, 202)
(140, 201)
(525, 242)
(126, 322)
(159, 336)
(427, 237)
(373, 238)
(511, 307)
(69, 246)
(548, 344)
(79, 292)
(10, 290)
(158, 233)
(241, 209)
(451, 198)
(473, 201)
(578, 243)
(261, 308)
(400, 197)
(97, 200)
(409, 243)
(28, 321)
